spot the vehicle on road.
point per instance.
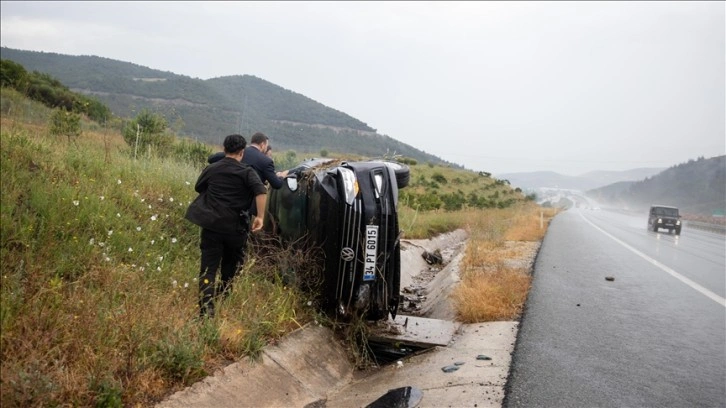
(664, 217)
(349, 210)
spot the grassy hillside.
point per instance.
(98, 290)
(208, 110)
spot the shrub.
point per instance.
(191, 151)
(64, 123)
(147, 132)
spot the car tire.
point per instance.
(402, 172)
(678, 231)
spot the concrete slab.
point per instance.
(416, 331)
(476, 382)
(306, 366)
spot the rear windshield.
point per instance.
(668, 212)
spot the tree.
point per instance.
(147, 131)
(13, 75)
(64, 123)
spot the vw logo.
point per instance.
(347, 254)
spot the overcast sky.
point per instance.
(496, 86)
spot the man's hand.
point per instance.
(282, 174)
(257, 224)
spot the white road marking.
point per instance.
(716, 298)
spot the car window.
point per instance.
(667, 212)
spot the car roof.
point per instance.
(663, 206)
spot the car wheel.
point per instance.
(655, 227)
(678, 231)
(403, 173)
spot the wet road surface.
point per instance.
(655, 336)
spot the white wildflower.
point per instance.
(152, 242)
(118, 181)
(91, 241)
(138, 228)
(173, 283)
(102, 198)
(153, 217)
(173, 240)
(76, 202)
(186, 284)
(110, 232)
(171, 199)
(131, 249)
(158, 268)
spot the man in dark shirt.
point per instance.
(226, 189)
(255, 156)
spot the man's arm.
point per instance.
(202, 181)
(260, 200)
(271, 176)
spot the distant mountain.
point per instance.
(587, 181)
(697, 187)
(208, 110)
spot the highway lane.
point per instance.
(653, 337)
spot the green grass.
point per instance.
(98, 289)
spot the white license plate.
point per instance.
(371, 245)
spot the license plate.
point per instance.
(371, 243)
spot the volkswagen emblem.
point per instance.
(347, 254)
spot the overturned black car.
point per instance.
(349, 210)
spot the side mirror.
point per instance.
(291, 183)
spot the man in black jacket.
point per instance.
(226, 189)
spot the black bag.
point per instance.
(244, 221)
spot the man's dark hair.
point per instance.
(258, 138)
(234, 143)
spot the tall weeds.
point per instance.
(492, 288)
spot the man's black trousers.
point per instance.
(220, 251)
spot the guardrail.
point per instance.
(721, 229)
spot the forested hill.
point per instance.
(210, 109)
(698, 187)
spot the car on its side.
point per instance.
(664, 217)
(349, 210)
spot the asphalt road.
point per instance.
(655, 336)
